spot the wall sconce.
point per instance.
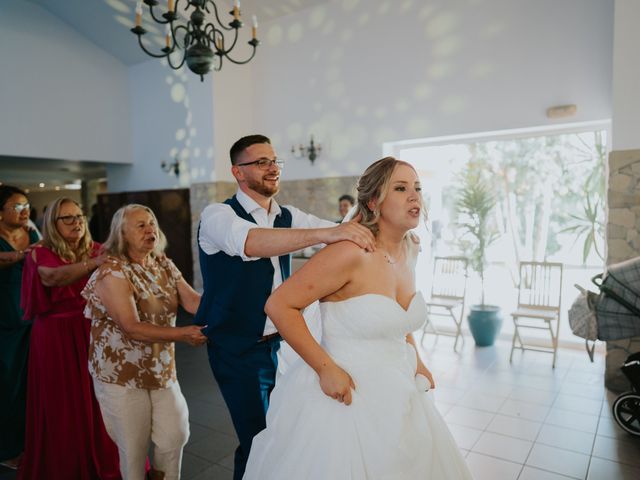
(171, 167)
(311, 151)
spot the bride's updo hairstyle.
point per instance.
(374, 185)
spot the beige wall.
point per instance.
(318, 196)
(623, 223)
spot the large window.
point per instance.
(550, 193)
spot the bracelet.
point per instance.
(18, 253)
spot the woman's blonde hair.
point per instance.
(52, 239)
(374, 185)
(116, 244)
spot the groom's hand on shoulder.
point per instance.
(354, 232)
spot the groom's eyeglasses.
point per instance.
(264, 163)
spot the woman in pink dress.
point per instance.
(65, 435)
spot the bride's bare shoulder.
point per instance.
(344, 253)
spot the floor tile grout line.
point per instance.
(595, 437)
(551, 471)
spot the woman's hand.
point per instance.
(100, 258)
(422, 370)
(193, 335)
(336, 383)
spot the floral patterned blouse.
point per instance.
(116, 358)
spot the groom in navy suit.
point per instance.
(244, 246)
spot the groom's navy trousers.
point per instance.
(232, 307)
(246, 381)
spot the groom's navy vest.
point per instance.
(236, 291)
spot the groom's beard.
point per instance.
(262, 188)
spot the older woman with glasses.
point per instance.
(65, 434)
(15, 239)
(132, 301)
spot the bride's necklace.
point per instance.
(390, 260)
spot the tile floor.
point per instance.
(523, 421)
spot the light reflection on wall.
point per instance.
(412, 69)
(193, 167)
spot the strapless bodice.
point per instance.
(370, 327)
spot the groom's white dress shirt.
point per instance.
(222, 230)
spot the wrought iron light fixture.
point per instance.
(311, 151)
(171, 167)
(202, 45)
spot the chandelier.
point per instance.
(202, 46)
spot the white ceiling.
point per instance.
(107, 22)
(29, 172)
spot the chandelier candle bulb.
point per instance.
(171, 5)
(254, 28)
(138, 13)
(167, 37)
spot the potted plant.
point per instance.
(474, 204)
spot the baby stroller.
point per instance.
(614, 312)
(626, 408)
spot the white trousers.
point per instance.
(134, 417)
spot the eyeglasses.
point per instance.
(263, 163)
(71, 219)
(19, 207)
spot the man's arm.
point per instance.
(222, 229)
(273, 242)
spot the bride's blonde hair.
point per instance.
(374, 185)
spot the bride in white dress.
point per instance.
(353, 409)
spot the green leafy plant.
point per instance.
(475, 202)
(587, 226)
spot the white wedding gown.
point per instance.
(391, 430)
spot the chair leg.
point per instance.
(513, 340)
(458, 329)
(424, 336)
(513, 346)
(460, 320)
(425, 328)
(554, 343)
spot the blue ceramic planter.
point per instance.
(485, 322)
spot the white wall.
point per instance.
(233, 113)
(358, 73)
(171, 117)
(63, 97)
(626, 76)
(60, 95)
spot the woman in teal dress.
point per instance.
(15, 239)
